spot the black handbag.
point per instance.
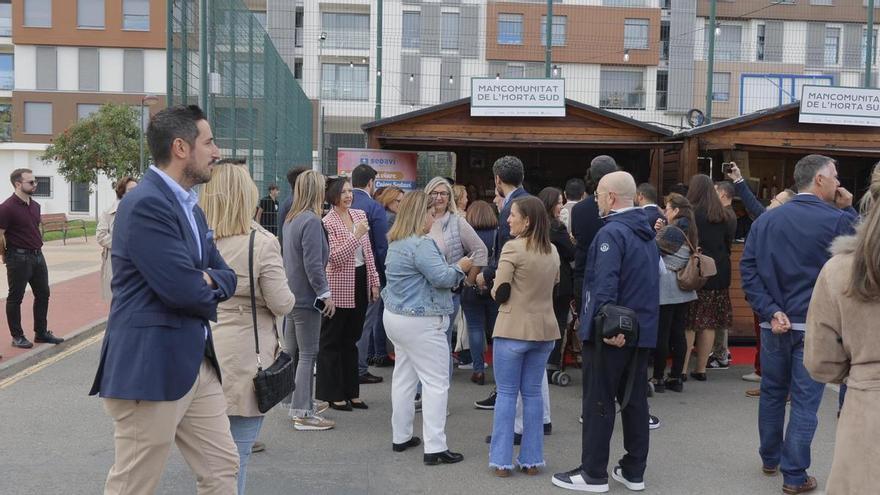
(609, 322)
(277, 381)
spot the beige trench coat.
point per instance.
(234, 330)
(104, 235)
(842, 345)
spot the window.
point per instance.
(7, 71)
(624, 3)
(90, 13)
(821, 2)
(411, 30)
(449, 38)
(47, 63)
(79, 197)
(5, 17)
(832, 46)
(721, 86)
(346, 30)
(559, 22)
(662, 89)
(136, 15)
(88, 69)
(514, 71)
(44, 187)
(762, 30)
(133, 71)
(635, 34)
(83, 110)
(510, 29)
(298, 70)
(728, 44)
(664, 40)
(298, 25)
(37, 118)
(241, 77)
(865, 45)
(345, 82)
(622, 90)
(38, 13)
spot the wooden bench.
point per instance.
(58, 222)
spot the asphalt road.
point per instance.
(56, 439)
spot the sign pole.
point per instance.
(710, 62)
(548, 52)
(869, 48)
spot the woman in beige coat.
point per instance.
(841, 346)
(229, 200)
(104, 234)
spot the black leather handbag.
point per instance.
(277, 381)
(612, 320)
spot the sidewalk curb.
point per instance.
(43, 351)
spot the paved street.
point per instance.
(55, 439)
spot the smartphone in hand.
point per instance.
(320, 305)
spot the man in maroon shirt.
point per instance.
(20, 248)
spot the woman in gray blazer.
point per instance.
(306, 252)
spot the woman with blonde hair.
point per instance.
(306, 252)
(455, 238)
(460, 196)
(841, 346)
(229, 200)
(417, 307)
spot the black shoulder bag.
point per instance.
(610, 321)
(277, 381)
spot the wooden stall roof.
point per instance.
(777, 130)
(451, 125)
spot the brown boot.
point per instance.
(807, 486)
(478, 378)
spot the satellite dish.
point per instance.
(695, 117)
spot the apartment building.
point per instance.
(645, 59)
(67, 58)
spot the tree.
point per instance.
(104, 142)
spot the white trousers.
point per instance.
(545, 394)
(421, 354)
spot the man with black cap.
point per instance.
(585, 221)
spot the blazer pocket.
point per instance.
(504, 308)
(154, 319)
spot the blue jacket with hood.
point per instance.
(623, 268)
(785, 250)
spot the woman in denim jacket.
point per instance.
(417, 307)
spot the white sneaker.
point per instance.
(617, 474)
(653, 422)
(752, 377)
(313, 423)
(468, 366)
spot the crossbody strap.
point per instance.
(254, 296)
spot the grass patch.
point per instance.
(73, 232)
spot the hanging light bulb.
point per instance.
(363, 60)
(350, 64)
(412, 77)
(411, 106)
(451, 81)
(717, 29)
(626, 55)
(555, 71)
(379, 73)
(497, 76)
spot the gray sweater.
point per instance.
(669, 291)
(305, 254)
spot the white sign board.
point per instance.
(841, 106)
(492, 97)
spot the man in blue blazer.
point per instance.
(785, 250)
(158, 375)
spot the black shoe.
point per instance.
(700, 377)
(383, 362)
(412, 442)
(358, 405)
(368, 378)
(579, 480)
(445, 457)
(659, 386)
(344, 407)
(673, 384)
(47, 338)
(488, 402)
(22, 342)
(684, 377)
(548, 428)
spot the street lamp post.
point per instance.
(320, 166)
(146, 101)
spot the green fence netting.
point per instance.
(256, 108)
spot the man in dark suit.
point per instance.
(158, 375)
(363, 181)
(646, 199)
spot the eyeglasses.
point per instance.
(439, 193)
(31, 182)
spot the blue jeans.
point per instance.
(372, 341)
(245, 431)
(519, 369)
(783, 372)
(480, 315)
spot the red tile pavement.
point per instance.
(73, 304)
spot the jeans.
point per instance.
(23, 269)
(519, 369)
(783, 372)
(302, 331)
(371, 343)
(480, 314)
(245, 431)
